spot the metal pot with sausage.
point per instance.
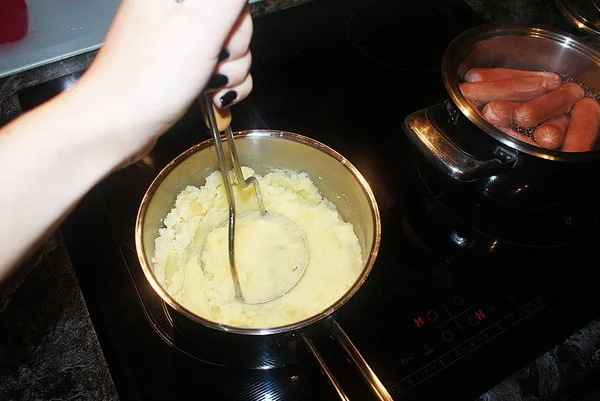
(522, 118)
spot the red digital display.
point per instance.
(479, 314)
(419, 321)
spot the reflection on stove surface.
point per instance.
(372, 25)
(467, 218)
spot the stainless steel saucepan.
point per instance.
(336, 178)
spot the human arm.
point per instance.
(141, 82)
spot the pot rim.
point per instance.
(166, 297)
(465, 42)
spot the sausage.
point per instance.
(520, 89)
(582, 132)
(551, 134)
(547, 106)
(492, 74)
(499, 113)
(520, 137)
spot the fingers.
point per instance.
(231, 95)
(238, 42)
(232, 77)
(234, 71)
(230, 74)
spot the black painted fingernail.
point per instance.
(223, 55)
(227, 98)
(217, 81)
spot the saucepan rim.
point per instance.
(146, 264)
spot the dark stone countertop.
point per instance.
(522, 12)
(48, 346)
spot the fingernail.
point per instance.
(217, 81)
(223, 55)
(227, 98)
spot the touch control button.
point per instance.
(432, 315)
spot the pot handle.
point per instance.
(445, 156)
(359, 361)
(321, 362)
(376, 386)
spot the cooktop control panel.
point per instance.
(453, 329)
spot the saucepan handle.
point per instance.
(321, 362)
(359, 361)
(338, 333)
(446, 156)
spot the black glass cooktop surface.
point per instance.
(455, 302)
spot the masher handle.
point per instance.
(222, 116)
(209, 112)
(223, 123)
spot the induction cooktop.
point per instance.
(451, 308)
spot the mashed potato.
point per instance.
(191, 263)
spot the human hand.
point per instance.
(158, 56)
(231, 80)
